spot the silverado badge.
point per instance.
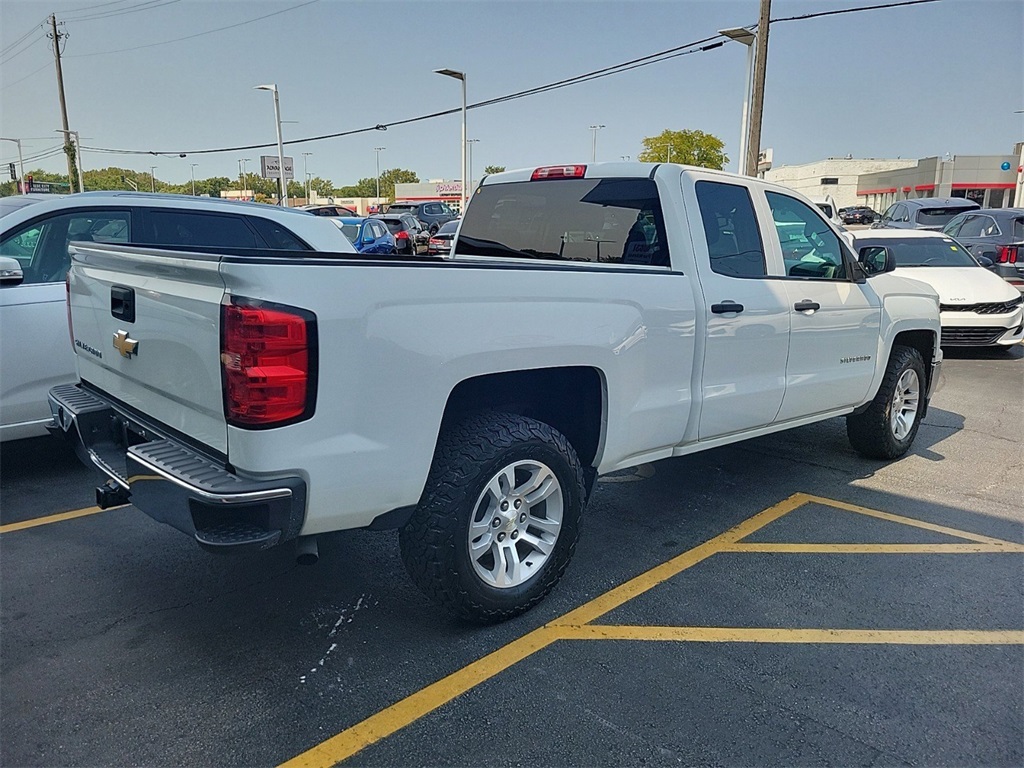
(126, 346)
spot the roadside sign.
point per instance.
(271, 169)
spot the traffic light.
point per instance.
(10, 167)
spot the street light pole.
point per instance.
(668, 159)
(305, 175)
(21, 165)
(470, 143)
(749, 39)
(378, 150)
(193, 178)
(593, 151)
(152, 178)
(460, 76)
(245, 176)
(280, 144)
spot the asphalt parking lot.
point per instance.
(778, 602)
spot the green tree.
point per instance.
(323, 187)
(368, 187)
(687, 147)
(494, 169)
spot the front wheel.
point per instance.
(499, 518)
(886, 429)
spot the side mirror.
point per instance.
(11, 272)
(876, 259)
(985, 261)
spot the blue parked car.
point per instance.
(367, 235)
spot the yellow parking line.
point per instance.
(768, 635)
(424, 701)
(35, 522)
(907, 521)
(637, 586)
(873, 549)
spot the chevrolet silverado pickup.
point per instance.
(590, 318)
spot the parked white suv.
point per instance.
(35, 230)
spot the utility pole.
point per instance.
(56, 36)
(757, 96)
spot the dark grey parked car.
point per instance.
(996, 233)
(430, 215)
(923, 213)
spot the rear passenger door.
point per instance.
(747, 315)
(835, 322)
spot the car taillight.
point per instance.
(1007, 254)
(268, 362)
(67, 304)
(435, 240)
(559, 172)
(403, 235)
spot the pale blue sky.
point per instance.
(911, 82)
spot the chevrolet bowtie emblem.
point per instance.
(127, 347)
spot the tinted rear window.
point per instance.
(394, 225)
(936, 216)
(1018, 229)
(607, 221)
(200, 229)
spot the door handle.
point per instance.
(806, 306)
(725, 307)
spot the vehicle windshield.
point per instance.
(936, 217)
(923, 251)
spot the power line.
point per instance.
(147, 6)
(704, 44)
(88, 8)
(198, 34)
(10, 46)
(5, 86)
(28, 47)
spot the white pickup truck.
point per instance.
(589, 319)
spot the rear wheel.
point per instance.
(886, 429)
(499, 518)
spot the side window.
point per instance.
(42, 247)
(730, 226)
(973, 226)
(277, 236)
(901, 214)
(185, 228)
(809, 246)
(889, 213)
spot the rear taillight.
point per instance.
(1007, 254)
(268, 360)
(67, 304)
(559, 172)
(402, 236)
(435, 241)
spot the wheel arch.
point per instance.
(571, 399)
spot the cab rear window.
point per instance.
(602, 221)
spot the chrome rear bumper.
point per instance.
(173, 482)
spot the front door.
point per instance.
(835, 321)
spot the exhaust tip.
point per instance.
(306, 551)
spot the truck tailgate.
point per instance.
(146, 328)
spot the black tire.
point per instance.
(435, 543)
(871, 432)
